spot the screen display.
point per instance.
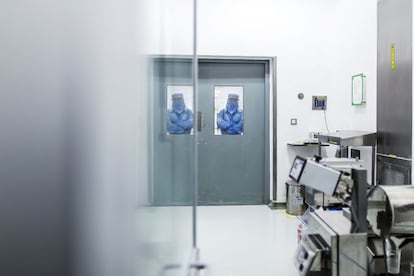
(320, 103)
(297, 168)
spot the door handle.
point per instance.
(199, 121)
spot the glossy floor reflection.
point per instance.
(247, 240)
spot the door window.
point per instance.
(180, 106)
(228, 110)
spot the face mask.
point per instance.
(232, 106)
(178, 106)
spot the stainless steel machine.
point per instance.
(343, 139)
(335, 242)
(329, 247)
(391, 216)
(352, 138)
(372, 236)
(315, 198)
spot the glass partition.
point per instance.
(166, 213)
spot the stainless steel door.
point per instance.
(394, 77)
(394, 89)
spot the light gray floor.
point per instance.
(247, 240)
(233, 240)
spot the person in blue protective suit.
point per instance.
(180, 118)
(230, 119)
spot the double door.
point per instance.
(233, 157)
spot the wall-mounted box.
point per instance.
(319, 102)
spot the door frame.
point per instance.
(270, 173)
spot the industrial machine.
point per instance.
(315, 198)
(352, 138)
(371, 236)
(391, 216)
(344, 139)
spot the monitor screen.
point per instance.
(297, 168)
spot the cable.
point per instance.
(326, 123)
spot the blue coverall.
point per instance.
(230, 119)
(180, 118)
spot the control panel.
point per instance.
(319, 102)
(310, 254)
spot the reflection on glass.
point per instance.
(229, 110)
(172, 169)
(180, 116)
(165, 217)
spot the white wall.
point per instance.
(319, 45)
